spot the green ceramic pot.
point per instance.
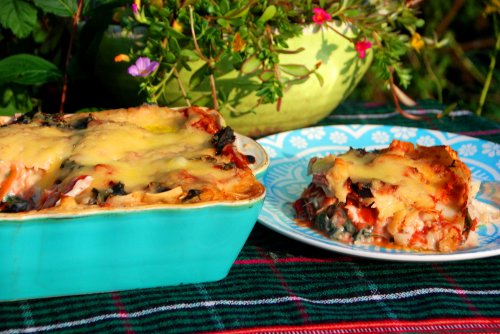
(303, 104)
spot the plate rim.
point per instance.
(359, 252)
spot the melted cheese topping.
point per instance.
(416, 180)
(52, 145)
(136, 154)
(418, 194)
(148, 150)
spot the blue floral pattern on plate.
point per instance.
(287, 177)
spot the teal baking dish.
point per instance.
(102, 251)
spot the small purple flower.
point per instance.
(143, 67)
(135, 8)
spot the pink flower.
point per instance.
(320, 16)
(136, 6)
(143, 67)
(362, 46)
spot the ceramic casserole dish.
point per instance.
(64, 238)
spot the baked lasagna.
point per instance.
(121, 158)
(403, 196)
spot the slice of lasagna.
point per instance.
(402, 196)
(121, 158)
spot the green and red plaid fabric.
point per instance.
(279, 285)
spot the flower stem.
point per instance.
(76, 20)
(339, 33)
(160, 86)
(193, 33)
(203, 57)
(396, 99)
(214, 92)
(276, 68)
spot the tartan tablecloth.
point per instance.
(280, 285)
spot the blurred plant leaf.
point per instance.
(190, 54)
(26, 69)
(250, 65)
(267, 15)
(403, 97)
(14, 99)
(238, 12)
(18, 16)
(296, 70)
(62, 8)
(266, 75)
(320, 78)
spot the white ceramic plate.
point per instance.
(286, 178)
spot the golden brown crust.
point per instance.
(122, 158)
(406, 196)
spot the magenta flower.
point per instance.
(135, 8)
(143, 67)
(320, 16)
(362, 46)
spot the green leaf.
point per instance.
(238, 12)
(420, 23)
(267, 15)
(170, 58)
(224, 5)
(224, 23)
(27, 69)
(14, 99)
(40, 34)
(295, 70)
(320, 79)
(63, 8)
(404, 75)
(250, 65)
(190, 54)
(18, 16)
(174, 45)
(169, 31)
(266, 75)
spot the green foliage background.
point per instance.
(35, 38)
(454, 74)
